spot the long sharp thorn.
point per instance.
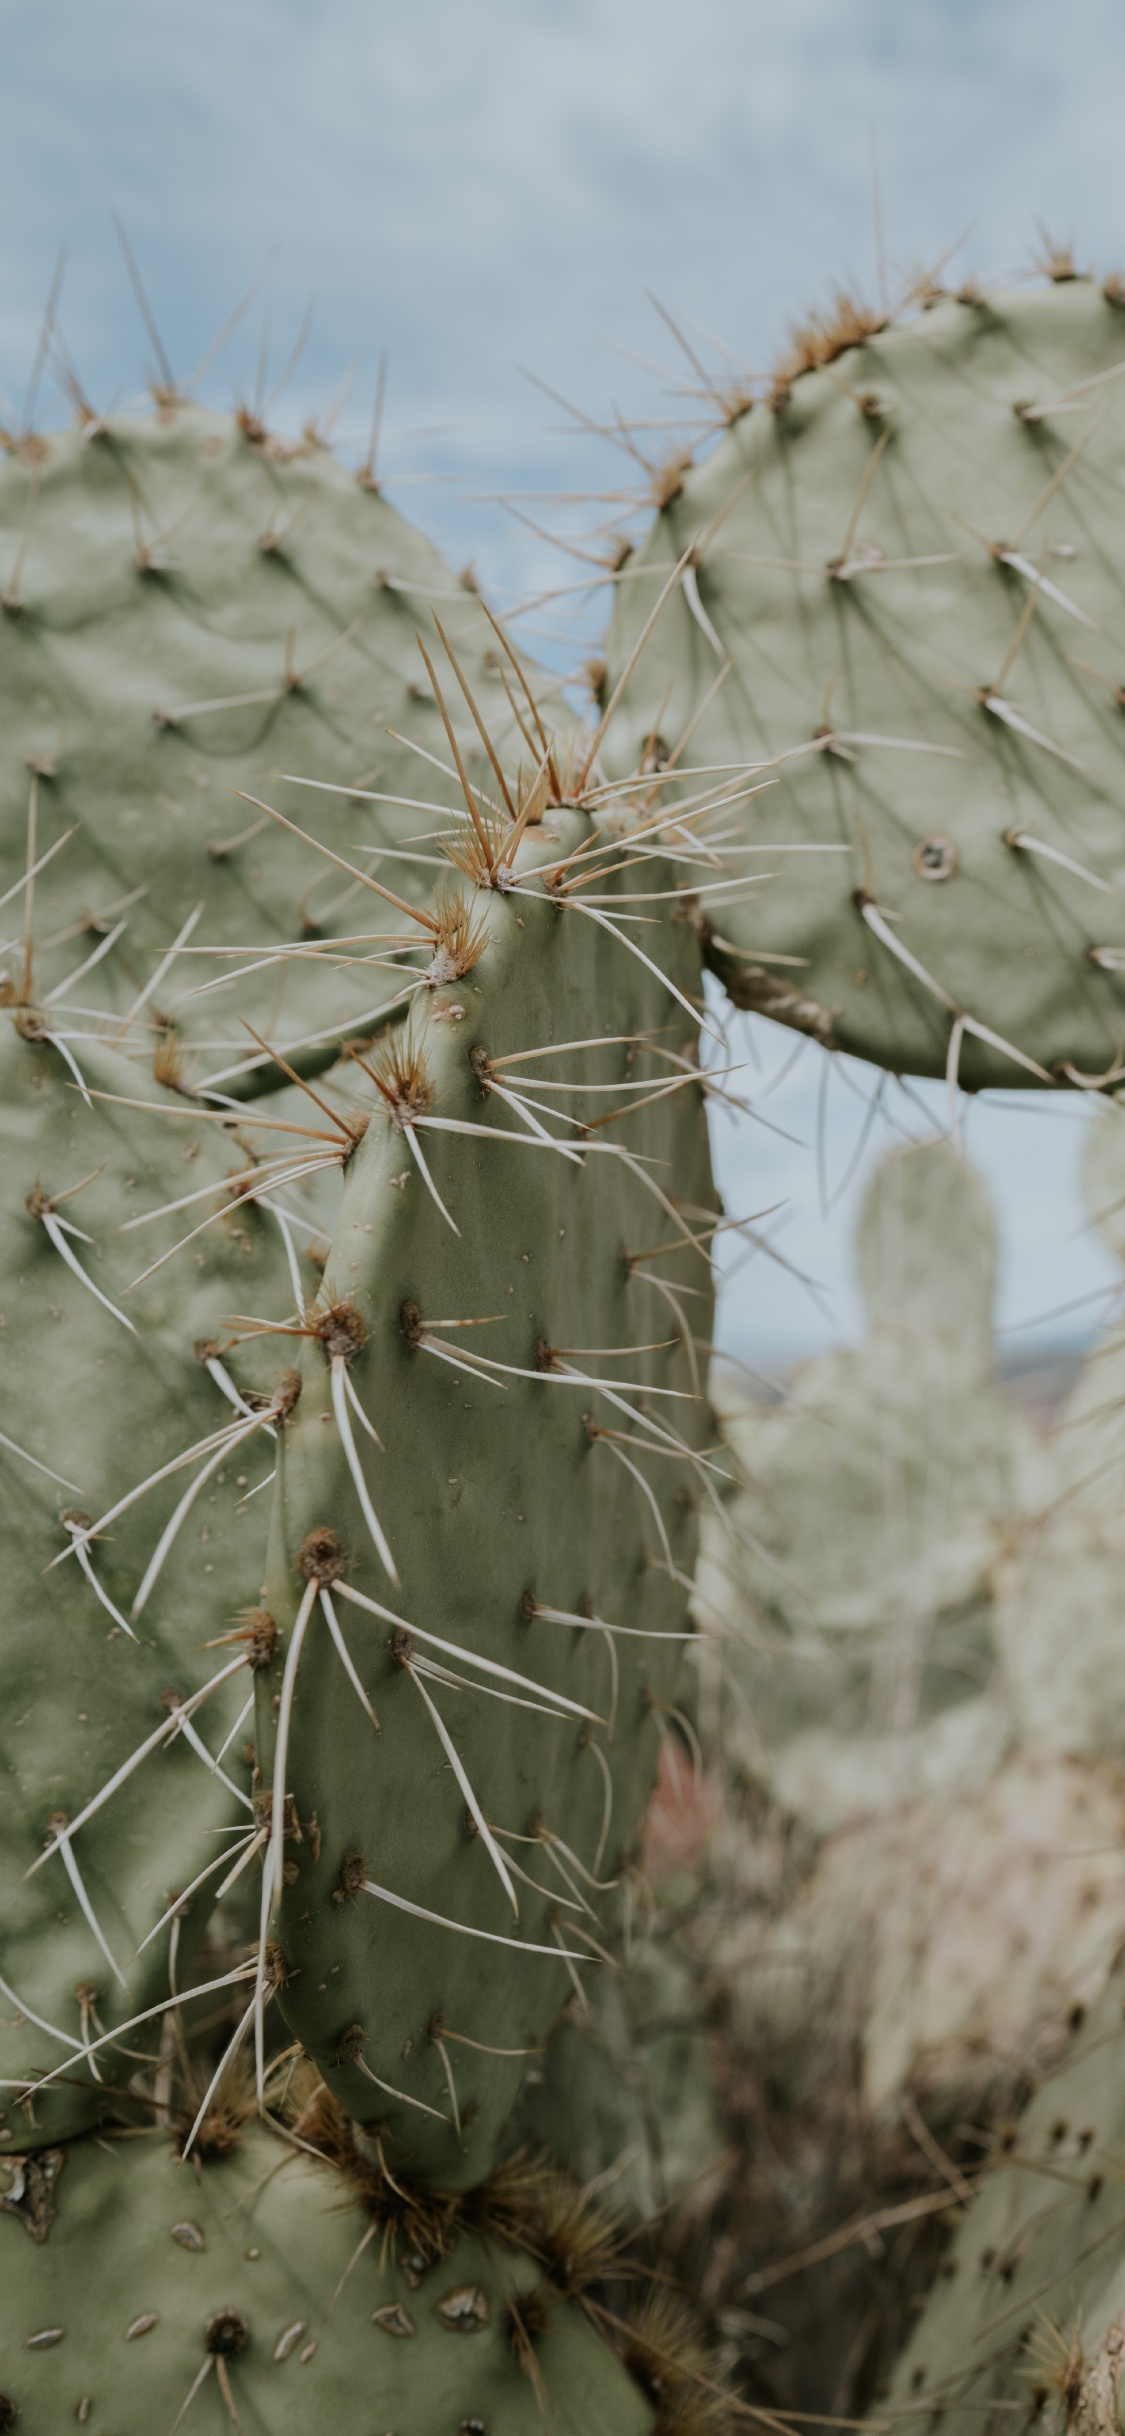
(333, 1622)
(54, 1231)
(73, 1872)
(462, 773)
(478, 722)
(415, 1148)
(415, 913)
(462, 1928)
(351, 1457)
(232, 1438)
(460, 1772)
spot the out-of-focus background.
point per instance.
(491, 198)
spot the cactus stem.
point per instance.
(594, 913)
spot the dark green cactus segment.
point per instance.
(98, 1395)
(533, 1474)
(913, 564)
(1029, 2299)
(191, 610)
(151, 2281)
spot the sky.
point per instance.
(490, 197)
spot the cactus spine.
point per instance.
(463, 1627)
(897, 588)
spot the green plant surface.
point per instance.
(908, 564)
(193, 609)
(1032, 2283)
(862, 1647)
(535, 1489)
(626, 2088)
(225, 2296)
(99, 1395)
(1060, 1610)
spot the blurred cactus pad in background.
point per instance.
(539, 1890)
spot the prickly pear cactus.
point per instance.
(251, 2296)
(863, 1647)
(898, 593)
(193, 610)
(1027, 2308)
(122, 1646)
(482, 1616)
(1060, 1588)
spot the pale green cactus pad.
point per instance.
(911, 559)
(147, 2291)
(862, 1645)
(104, 1387)
(945, 1934)
(487, 1310)
(1027, 2307)
(1061, 1609)
(193, 608)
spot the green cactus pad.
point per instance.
(498, 1496)
(101, 1405)
(192, 608)
(1033, 2282)
(151, 2281)
(866, 548)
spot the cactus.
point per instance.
(895, 590)
(862, 1648)
(192, 609)
(118, 821)
(525, 1149)
(527, 1531)
(1026, 2311)
(252, 2296)
(886, 1932)
(107, 1652)
(627, 2087)
(1061, 1584)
